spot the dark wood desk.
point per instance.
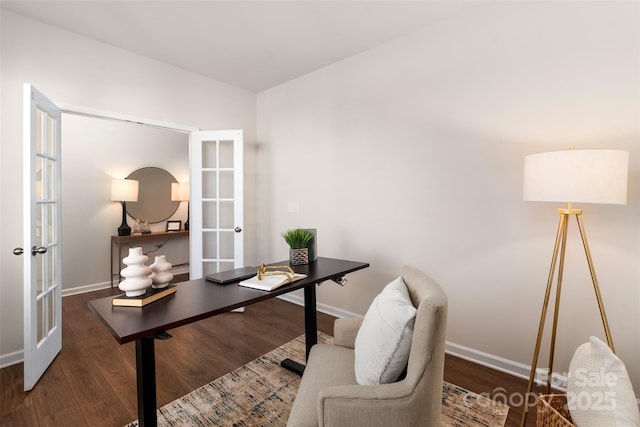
(199, 299)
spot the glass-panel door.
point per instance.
(41, 233)
(216, 202)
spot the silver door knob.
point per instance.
(237, 229)
(18, 251)
(38, 250)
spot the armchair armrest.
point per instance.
(366, 406)
(345, 331)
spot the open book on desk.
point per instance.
(270, 280)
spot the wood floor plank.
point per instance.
(93, 382)
(95, 396)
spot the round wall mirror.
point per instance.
(154, 195)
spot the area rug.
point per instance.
(261, 392)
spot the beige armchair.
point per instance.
(329, 394)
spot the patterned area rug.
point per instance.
(260, 393)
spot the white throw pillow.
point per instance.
(599, 392)
(383, 341)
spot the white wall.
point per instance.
(412, 153)
(79, 71)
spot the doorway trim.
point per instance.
(119, 117)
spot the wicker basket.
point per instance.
(552, 411)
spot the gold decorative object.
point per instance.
(262, 271)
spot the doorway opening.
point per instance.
(96, 147)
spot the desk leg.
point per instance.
(146, 381)
(310, 329)
(310, 318)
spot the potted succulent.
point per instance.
(298, 239)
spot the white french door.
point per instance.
(42, 230)
(216, 201)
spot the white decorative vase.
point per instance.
(161, 272)
(136, 275)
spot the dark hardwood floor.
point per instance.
(92, 381)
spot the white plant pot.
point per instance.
(161, 272)
(136, 275)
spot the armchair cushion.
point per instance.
(383, 341)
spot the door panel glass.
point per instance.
(210, 268)
(51, 309)
(226, 184)
(51, 135)
(209, 245)
(40, 273)
(209, 185)
(209, 154)
(40, 307)
(50, 225)
(226, 265)
(40, 214)
(209, 215)
(226, 244)
(226, 154)
(49, 258)
(38, 179)
(226, 215)
(40, 120)
(50, 179)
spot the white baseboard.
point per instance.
(501, 364)
(323, 308)
(11, 359)
(86, 288)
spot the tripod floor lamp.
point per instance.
(586, 176)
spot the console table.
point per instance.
(199, 299)
(118, 241)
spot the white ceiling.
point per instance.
(253, 45)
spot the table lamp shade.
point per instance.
(180, 191)
(124, 190)
(585, 176)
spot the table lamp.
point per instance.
(124, 190)
(180, 193)
(569, 176)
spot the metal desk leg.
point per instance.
(310, 318)
(146, 382)
(310, 329)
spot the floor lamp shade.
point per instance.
(585, 176)
(124, 190)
